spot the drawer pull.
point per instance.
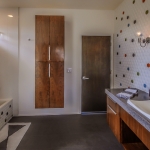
(112, 110)
(49, 52)
(49, 70)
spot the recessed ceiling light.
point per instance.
(10, 16)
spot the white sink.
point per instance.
(141, 106)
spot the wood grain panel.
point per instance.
(56, 92)
(49, 91)
(57, 69)
(113, 117)
(42, 38)
(57, 85)
(113, 105)
(136, 127)
(57, 38)
(42, 85)
(126, 132)
(42, 70)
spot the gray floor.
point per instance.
(68, 132)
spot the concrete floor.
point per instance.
(68, 132)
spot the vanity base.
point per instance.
(134, 146)
(130, 133)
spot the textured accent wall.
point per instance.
(131, 61)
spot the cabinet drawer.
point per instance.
(113, 105)
(113, 121)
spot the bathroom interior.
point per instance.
(122, 124)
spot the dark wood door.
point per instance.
(95, 72)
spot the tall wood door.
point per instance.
(42, 84)
(57, 61)
(95, 72)
(49, 61)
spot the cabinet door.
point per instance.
(56, 61)
(57, 85)
(42, 85)
(42, 79)
(49, 74)
(113, 118)
(42, 38)
(57, 38)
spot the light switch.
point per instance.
(69, 70)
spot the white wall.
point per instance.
(9, 56)
(77, 23)
(139, 62)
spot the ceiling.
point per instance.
(63, 4)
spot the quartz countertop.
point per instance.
(141, 96)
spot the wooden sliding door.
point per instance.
(49, 61)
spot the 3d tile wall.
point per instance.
(131, 61)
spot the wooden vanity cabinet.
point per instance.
(130, 133)
(113, 118)
(139, 137)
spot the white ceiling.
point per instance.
(63, 4)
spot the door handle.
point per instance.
(85, 78)
(49, 70)
(49, 55)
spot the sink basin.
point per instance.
(141, 106)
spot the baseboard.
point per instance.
(93, 113)
(46, 114)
